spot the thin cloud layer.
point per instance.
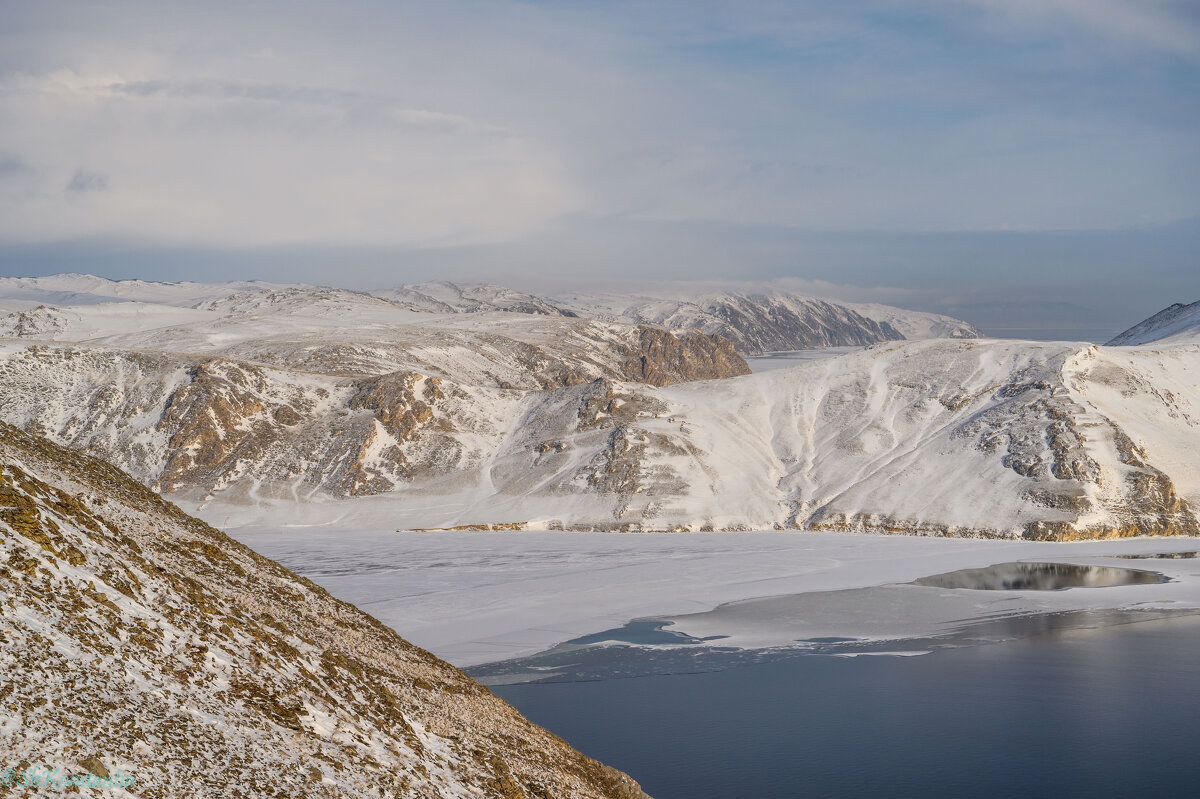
(455, 124)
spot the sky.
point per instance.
(1030, 165)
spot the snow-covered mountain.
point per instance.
(346, 333)
(915, 325)
(76, 289)
(951, 437)
(756, 322)
(446, 297)
(1179, 322)
(140, 644)
(319, 404)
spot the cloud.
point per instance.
(84, 181)
(11, 166)
(1153, 24)
(198, 148)
(457, 124)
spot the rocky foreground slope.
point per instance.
(137, 642)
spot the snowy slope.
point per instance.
(915, 325)
(1177, 323)
(995, 438)
(334, 331)
(320, 404)
(140, 643)
(75, 289)
(97, 320)
(446, 297)
(757, 322)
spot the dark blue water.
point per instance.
(1113, 712)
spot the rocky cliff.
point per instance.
(138, 643)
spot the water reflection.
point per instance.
(585, 663)
(897, 619)
(1040, 577)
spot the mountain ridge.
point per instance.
(1174, 322)
(756, 321)
(320, 405)
(990, 438)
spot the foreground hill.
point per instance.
(137, 641)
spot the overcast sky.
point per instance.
(993, 158)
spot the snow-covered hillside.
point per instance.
(915, 325)
(320, 404)
(446, 297)
(948, 437)
(756, 322)
(140, 644)
(75, 289)
(1177, 323)
(346, 333)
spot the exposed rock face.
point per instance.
(139, 642)
(664, 358)
(213, 420)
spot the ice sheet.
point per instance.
(478, 597)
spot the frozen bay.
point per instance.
(480, 597)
